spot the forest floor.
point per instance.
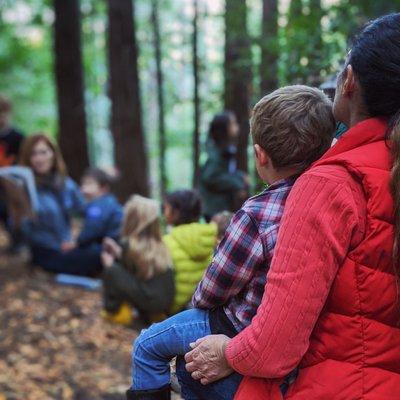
(54, 343)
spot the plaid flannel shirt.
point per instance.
(236, 277)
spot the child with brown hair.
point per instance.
(291, 128)
(190, 242)
(138, 272)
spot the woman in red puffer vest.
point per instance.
(331, 302)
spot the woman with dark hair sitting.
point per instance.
(222, 186)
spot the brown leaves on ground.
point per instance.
(54, 343)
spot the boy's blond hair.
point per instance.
(294, 125)
(141, 229)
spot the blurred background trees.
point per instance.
(70, 86)
(133, 84)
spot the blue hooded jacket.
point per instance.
(52, 224)
(103, 218)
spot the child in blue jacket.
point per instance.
(103, 212)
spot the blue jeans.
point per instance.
(157, 345)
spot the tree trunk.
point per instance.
(160, 99)
(269, 47)
(196, 98)
(126, 118)
(70, 87)
(238, 72)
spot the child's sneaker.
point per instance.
(123, 316)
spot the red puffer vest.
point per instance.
(354, 350)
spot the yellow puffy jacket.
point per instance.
(191, 247)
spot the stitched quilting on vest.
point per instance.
(354, 350)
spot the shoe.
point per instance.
(157, 394)
(123, 316)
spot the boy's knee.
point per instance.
(139, 345)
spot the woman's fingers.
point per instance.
(189, 356)
(190, 367)
(204, 381)
(201, 340)
(196, 375)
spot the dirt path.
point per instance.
(53, 342)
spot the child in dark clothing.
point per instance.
(10, 143)
(10, 138)
(103, 213)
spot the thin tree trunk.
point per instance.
(70, 86)
(238, 71)
(126, 117)
(269, 47)
(160, 98)
(196, 97)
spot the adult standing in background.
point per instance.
(222, 186)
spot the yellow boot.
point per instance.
(123, 316)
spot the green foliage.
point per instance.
(307, 57)
(26, 63)
(312, 43)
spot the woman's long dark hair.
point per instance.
(375, 58)
(219, 129)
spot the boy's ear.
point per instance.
(349, 82)
(261, 155)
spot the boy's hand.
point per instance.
(107, 259)
(112, 247)
(67, 246)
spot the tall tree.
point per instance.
(269, 47)
(196, 96)
(70, 86)
(237, 70)
(160, 98)
(126, 117)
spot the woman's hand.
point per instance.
(68, 246)
(107, 259)
(112, 247)
(207, 362)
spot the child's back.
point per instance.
(191, 247)
(103, 213)
(103, 218)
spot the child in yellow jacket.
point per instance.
(191, 244)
